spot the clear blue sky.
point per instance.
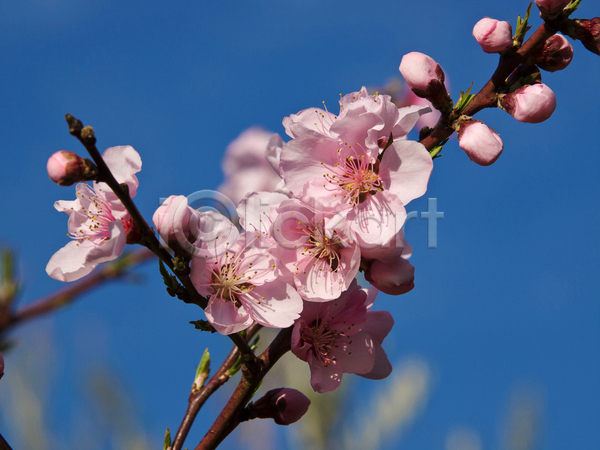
(509, 297)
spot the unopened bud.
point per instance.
(555, 54)
(395, 278)
(284, 405)
(588, 32)
(172, 220)
(67, 168)
(530, 104)
(424, 76)
(132, 231)
(481, 144)
(493, 35)
(551, 6)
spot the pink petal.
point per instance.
(381, 367)
(124, 162)
(324, 378)
(77, 259)
(226, 317)
(377, 220)
(405, 169)
(274, 304)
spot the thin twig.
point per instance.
(199, 397)
(68, 294)
(229, 417)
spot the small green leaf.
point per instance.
(167, 278)
(573, 6)
(235, 368)
(435, 151)
(464, 100)
(257, 388)
(167, 443)
(203, 370)
(522, 25)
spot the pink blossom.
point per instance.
(493, 35)
(345, 170)
(341, 336)
(97, 220)
(424, 76)
(284, 405)
(66, 168)
(555, 54)
(530, 104)
(317, 248)
(481, 144)
(245, 166)
(243, 287)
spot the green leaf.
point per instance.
(522, 25)
(202, 370)
(167, 443)
(435, 151)
(464, 100)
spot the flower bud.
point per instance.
(551, 6)
(493, 35)
(530, 104)
(588, 32)
(555, 54)
(1, 365)
(481, 144)
(66, 168)
(395, 278)
(424, 76)
(283, 405)
(172, 220)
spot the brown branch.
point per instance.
(199, 397)
(486, 97)
(3, 444)
(66, 295)
(229, 417)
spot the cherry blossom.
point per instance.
(350, 164)
(342, 336)
(98, 221)
(243, 287)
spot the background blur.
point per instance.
(495, 348)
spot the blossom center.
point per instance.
(357, 177)
(228, 285)
(94, 217)
(321, 339)
(320, 246)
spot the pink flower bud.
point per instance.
(283, 405)
(555, 54)
(1, 365)
(480, 142)
(530, 104)
(395, 278)
(424, 76)
(172, 220)
(493, 35)
(551, 6)
(66, 168)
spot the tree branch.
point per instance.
(199, 397)
(229, 417)
(62, 297)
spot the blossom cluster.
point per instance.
(328, 204)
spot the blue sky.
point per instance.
(508, 298)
